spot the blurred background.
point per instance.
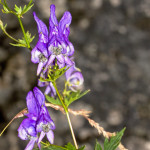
(112, 48)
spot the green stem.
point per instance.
(24, 33)
(67, 114)
(10, 36)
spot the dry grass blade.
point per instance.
(20, 114)
(76, 113)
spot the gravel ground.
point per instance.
(111, 38)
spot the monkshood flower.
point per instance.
(27, 131)
(54, 45)
(38, 120)
(45, 125)
(74, 78)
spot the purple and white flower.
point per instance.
(74, 78)
(27, 131)
(38, 120)
(53, 45)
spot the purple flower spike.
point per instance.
(74, 78)
(56, 45)
(38, 120)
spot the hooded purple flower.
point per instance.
(38, 120)
(27, 131)
(55, 44)
(74, 78)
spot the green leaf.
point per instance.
(18, 45)
(53, 101)
(5, 9)
(59, 72)
(97, 146)
(73, 96)
(69, 146)
(27, 8)
(18, 9)
(29, 37)
(114, 141)
(22, 42)
(53, 147)
(82, 148)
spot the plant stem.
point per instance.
(10, 36)
(71, 128)
(67, 114)
(24, 32)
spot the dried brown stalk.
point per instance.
(83, 113)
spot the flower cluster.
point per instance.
(38, 121)
(53, 47)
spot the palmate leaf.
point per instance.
(73, 96)
(53, 101)
(114, 141)
(20, 11)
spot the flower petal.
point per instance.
(39, 96)
(50, 136)
(60, 58)
(53, 91)
(50, 61)
(35, 53)
(53, 23)
(40, 67)
(47, 90)
(70, 49)
(27, 128)
(64, 23)
(22, 134)
(32, 105)
(69, 72)
(30, 145)
(78, 76)
(41, 84)
(42, 29)
(41, 136)
(52, 20)
(68, 61)
(39, 52)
